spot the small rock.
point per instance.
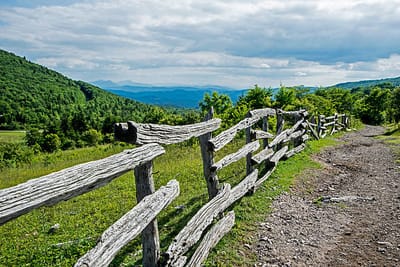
(247, 246)
(383, 243)
(266, 239)
(180, 207)
(53, 228)
(381, 250)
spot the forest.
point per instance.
(58, 113)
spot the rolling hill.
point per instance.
(34, 96)
(368, 83)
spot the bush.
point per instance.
(14, 154)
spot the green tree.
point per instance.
(395, 104)
(220, 102)
(256, 98)
(51, 142)
(285, 98)
(92, 137)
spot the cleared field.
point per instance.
(12, 136)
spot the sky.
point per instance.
(231, 43)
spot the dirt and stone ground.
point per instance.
(347, 214)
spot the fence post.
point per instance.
(150, 237)
(319, 125)
(280, 123)
(249, 165)
(208, 160)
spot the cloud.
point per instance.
(235, 43)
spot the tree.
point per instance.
(51, 142)
(221, 103)
(395, 104)
(256, 98)
(285, 98)
(92, 137)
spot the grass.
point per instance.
(27, 241)
(392, 138)
(12, 136)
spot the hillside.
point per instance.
(35, 96)
(368, 83)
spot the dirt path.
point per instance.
(347, 214)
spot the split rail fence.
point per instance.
(287, 140)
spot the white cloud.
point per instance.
(235, 43)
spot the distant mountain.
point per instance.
(367, 83)
(174, 96)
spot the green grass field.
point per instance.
(12, 136)
(27, 241)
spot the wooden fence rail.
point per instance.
(292, 131)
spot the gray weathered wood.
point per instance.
(295, 114)
(280, 122)
(259, 182)
(329, 124)
(241, 189)
(258, 134)
(249, 166)
(296, 134)
(207, 156)
(264, 112)
(294, 151)
(312, 130)
(71, 182)
(330, 117)
(278, 155)
(279, 138)
(305, 137)
(241, 153)
(263, 155)
(139, 133)
(221, 228)
(226, 136)
(193, 230)
(150, 237)
(295, 126)
(129, 226)
(265, 127)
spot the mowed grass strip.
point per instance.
(28, 241)
(12, 136)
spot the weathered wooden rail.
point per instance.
(292, 128)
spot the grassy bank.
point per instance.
(27, 240)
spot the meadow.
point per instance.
(29, 241)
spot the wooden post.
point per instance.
(280, 123)
(150, 237)
(208, 160)
(299, 140)
(265, 127)
(319, 126)
(249, 165)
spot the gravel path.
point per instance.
(347, 214)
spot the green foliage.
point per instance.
(220, 102)
(285, 98)
(256, 98)
(395, 105)
(34, 97)
(372, 108)
(14, 155)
